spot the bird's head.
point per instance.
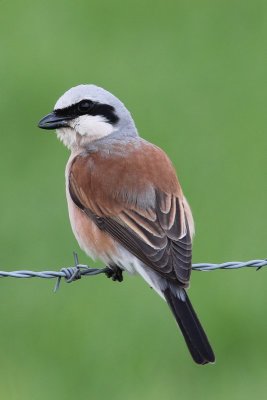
(85, 113)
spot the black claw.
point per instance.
(115, 273)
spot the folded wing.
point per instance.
(144, 211)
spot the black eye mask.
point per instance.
(88, 107)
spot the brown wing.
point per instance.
(138, 201)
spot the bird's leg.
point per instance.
(115, 273)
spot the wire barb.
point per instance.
(71, 274)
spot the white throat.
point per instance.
(83, 130)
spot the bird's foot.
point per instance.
(115, 273)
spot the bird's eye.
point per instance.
(84, 106)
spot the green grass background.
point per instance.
(193, 73)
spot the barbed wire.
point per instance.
(258, 264)
(71, 274)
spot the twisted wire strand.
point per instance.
(230, 265)
(71, 274)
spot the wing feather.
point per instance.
(157, 234)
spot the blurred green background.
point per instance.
(193, 74)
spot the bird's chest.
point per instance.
(95, 243)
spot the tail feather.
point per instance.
(194, 335)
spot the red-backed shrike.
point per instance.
(126, 206)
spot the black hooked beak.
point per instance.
(53, 121)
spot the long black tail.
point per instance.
(194, 335)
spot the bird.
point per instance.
(125, 203)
